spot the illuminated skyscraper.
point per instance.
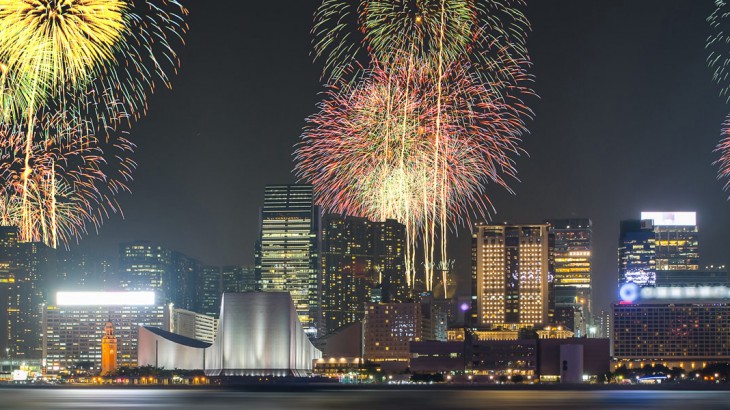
(510, 275)
(144, 266)
(148, 266)
(636, 256)
(287, 256)
(238, 279)
(676, 245)
(348, 269)
(358, 254)
(212, 281)
(661, 244)
(572, 272)
(209, 291)
(182, 290)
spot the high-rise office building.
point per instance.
(659, 247)
(182, 289)
(287, 256)
(236, 278)
(75, 270)
(145, 266)
(636, 256)
(676, 245)
(26, 272)
(209, 291)
(510, 270)
(571, 285)
(212, 281)
(434, 317)
(148, 266)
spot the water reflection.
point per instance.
(81, 398)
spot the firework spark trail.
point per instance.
(95, 59)
(72, 186)
(724, 149)
(718, 45)
(488, 34)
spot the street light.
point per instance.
(464, 308)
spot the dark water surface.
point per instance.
(210, 399)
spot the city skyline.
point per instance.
(369, 196)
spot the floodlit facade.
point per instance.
(260, 334)
(510, 268)
(287, 256)
(160, 348)
(73, 330)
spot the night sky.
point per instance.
(626, 121)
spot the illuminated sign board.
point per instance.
(641, 277)
(671, 218)
(105, 298)
(630, 292)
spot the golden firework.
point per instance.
(59, 43)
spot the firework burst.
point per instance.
(93, 61)
(99, 55)
(373, 148)
(723, 148)
(452, 77)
